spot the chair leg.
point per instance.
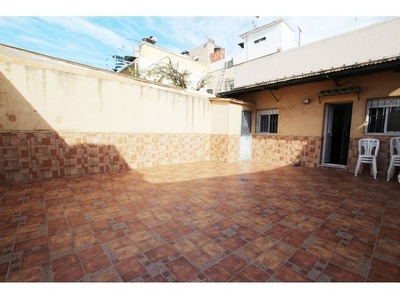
(391, 169)
(375, 168)
(357, 168)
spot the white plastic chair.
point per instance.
(394, 156)
(367, 152)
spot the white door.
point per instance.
(326, 150)
(245, 138)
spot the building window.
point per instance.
(230, 85)
(383, 115)
(267, 121)
(246, 122)
(259, 40)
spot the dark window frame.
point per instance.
(383, 116)
(267, 121)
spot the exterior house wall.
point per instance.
(225, 129)
(330, 54)
(278, 36)
(301, 126)
(59, 119)
(202, 52)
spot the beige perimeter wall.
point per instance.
(58, 120)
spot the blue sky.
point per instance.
(91, 35)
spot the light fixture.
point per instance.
(305, 101)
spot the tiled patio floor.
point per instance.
(245, 221)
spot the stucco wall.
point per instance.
(298, 119)
(305, 122)
(37, 98)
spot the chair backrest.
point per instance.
(395, 145)
(368, 146)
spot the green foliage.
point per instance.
(170, 73)
(204, 81)
(134, 72)
(166, 71)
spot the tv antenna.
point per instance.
(255, 22)
(299, 33)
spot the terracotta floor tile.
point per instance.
(342, 275)
(100, 225)
(212, 249)
(357, 244)
(199, 239)
(76, 220)
(247, 232)
(254, 274)
(29, 275)
(346, 263)
(109, 235)
(147, 244)
(61, 239)
(95, 264)
(211, 232)
(219, 273)
(129, 269)
(388, 232)
(65, 262)
(287, 274)
(32, 243)
(57, 225)
(281, 251)
(232, 243)
(278, 231)
(28, 235)
(85, 241)
(378, 275)
(327, 235)
(182, 269)
(234, 263)
(185, 246)
(127, 251)
(198, 257)
(35, 258)
(322, 248)
(270, 260)
(386, 267)
(160, 252)
(303, 259)
(171, 235)
(108, 276)
(71, 274)
(89, 253)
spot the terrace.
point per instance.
(245, 221)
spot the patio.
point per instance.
(208, 221)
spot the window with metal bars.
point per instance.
(383, 115)
(267, 121)
(246, 122)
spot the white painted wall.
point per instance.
(363, 45)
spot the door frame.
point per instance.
(326, 153)
(245, 151)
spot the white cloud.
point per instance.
(84, 27)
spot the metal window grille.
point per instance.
(267, 121)
(246, 122)
(383, 115)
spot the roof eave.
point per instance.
(392, 63)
